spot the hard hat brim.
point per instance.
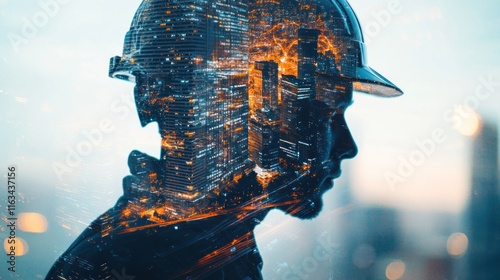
(370, 81)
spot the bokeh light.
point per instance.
(470, 123)
(20, 246)
(32, 222)
(457, 244)
(395, 270)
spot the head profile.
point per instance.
(242, 89)
(249, 97)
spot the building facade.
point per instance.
(192, 71)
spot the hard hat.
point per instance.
(365, 79)
(140, 53)
(146, 48)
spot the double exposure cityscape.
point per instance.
(230, 84)
(249, 99)
(250, 139)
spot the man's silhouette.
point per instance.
(250, 100)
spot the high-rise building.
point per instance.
(196, 58)
(231, 65)
(296, 94)
(289, 118)
(289, 102)
(307, 53)
(483, 227)
(266, 78)
(307, 57)
(264, 136)
(264, 124)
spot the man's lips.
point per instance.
(336, 174)
(331, 170)
(326, 183)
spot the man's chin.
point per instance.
(305, 209)
(309, 208)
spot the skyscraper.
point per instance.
(267, 83)
(264, 133)
(231, 66)
(265, 122)
(483, 228)
(307, 52)
(307, 57)
(289, 115)
(192, 70)
(296, 94)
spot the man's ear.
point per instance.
(141, 164)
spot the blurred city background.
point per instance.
(420, 201)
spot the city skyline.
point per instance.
(192, 212)
(196, 65)
(432, 27)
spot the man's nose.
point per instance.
(345, 147)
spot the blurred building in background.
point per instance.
(482, 215)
